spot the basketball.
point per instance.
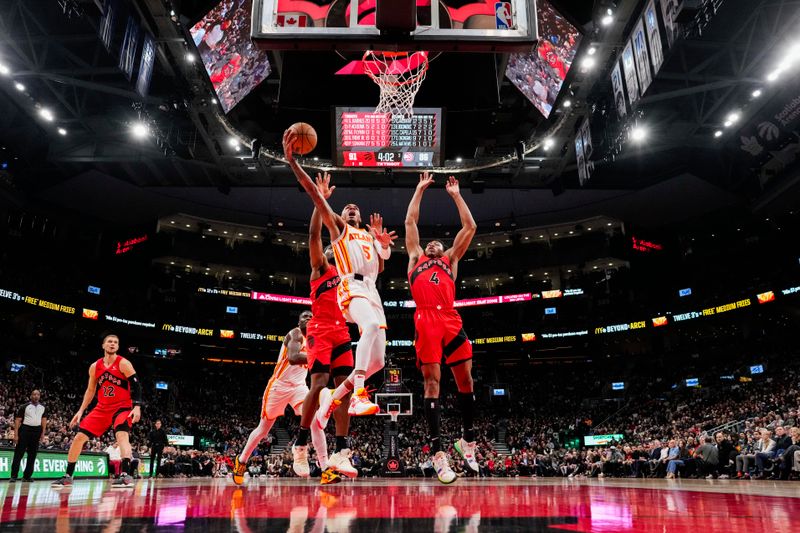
(306, 138)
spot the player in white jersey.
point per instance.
(287, 386)
(359, 256)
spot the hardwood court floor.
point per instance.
(408, 505)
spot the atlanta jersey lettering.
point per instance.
(355, 252)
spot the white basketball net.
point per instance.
(399, 76)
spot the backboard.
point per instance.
(404, 399)
(456, 25)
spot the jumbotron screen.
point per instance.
(368, 139)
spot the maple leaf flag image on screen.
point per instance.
(291, 21)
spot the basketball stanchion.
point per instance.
(393, 466)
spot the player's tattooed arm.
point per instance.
(319, 262)
(412, 220)
(88, 396)
(332, 221)
(294, 348)
(468, 226)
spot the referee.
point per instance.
(29, 429)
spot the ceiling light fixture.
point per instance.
(46, 114)
(139, 130)
(638, 134)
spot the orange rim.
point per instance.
(372, 56)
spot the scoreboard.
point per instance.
(367, 139)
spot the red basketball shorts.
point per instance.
(329, 350)
(104, 417)
(440, 334)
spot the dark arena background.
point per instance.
(625, 227)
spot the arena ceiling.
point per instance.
(682, 171)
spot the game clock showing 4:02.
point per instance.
(367, 139)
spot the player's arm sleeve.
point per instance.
(383, 253)
(136, 389)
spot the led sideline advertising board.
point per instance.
(53, 464)
(180, 440)
(602, 440)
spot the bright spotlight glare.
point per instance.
(18, 86)
(140, 130)
(607, 20)
(567, 103)
(62, 131)
(459, 160)
(591, 51)
(46, 114)
(773, 75)
(728, 124)
(588, 62)
(756, 93)
(734, 117)
(718, 133)
(233, 142)
(548, 143)
(190, 57)
(638, 134)
(4, 70)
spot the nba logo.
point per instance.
(502, 11)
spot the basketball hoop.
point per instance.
(399, 76)
(394, 411)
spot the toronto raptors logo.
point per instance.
(393, 465)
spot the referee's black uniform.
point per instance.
(30, 431)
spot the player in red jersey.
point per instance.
(329, 354)
(119, 397)
(439, 330)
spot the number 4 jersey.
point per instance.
(432, 283)
(439, 329)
